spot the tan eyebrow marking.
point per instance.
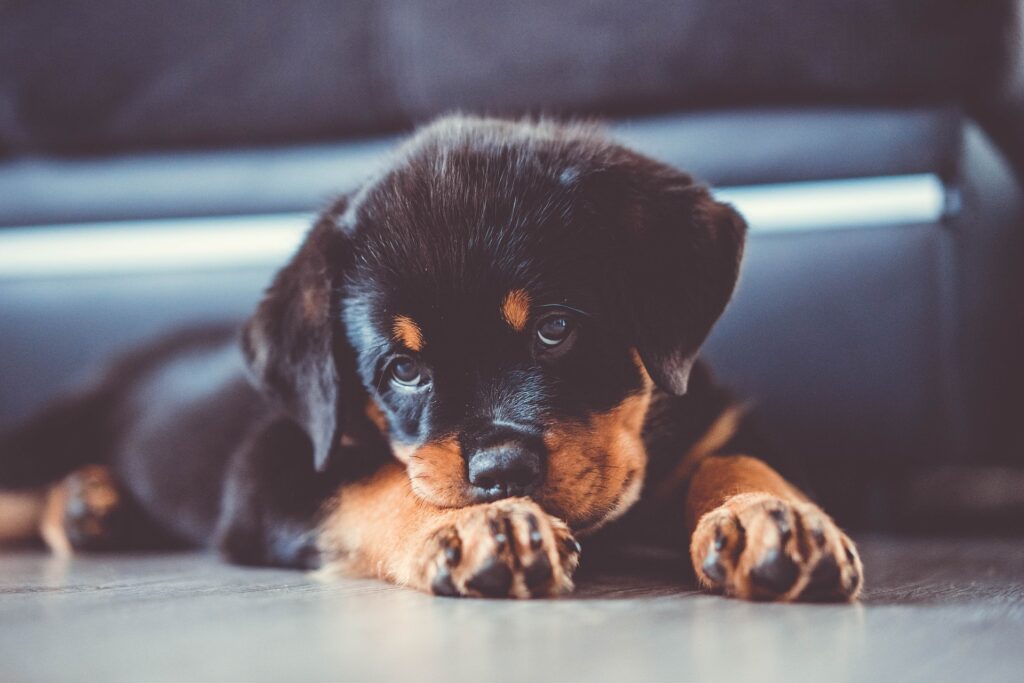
(408, 332)
(515, 309)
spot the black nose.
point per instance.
(503, 471)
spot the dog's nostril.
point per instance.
(509, 471)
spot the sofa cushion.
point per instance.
(81, 77)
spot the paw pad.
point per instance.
(760, 547)
(510, 548)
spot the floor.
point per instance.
(935, 610)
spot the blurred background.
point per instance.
(158, 160)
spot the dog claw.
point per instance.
(443, 584)
(760, 547)
(712, 568)
(509, 548)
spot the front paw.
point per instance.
(510, 548)
(760, 547)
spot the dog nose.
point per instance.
(503, 471)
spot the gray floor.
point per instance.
(934, 610)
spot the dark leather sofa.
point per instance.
(870, 349)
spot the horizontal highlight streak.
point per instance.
(183, 244)
(150, 245)
(827, 204)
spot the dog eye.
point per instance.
(406, 371)
(553, 330)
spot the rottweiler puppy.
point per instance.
(485, 353)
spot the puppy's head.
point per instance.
(500, 303)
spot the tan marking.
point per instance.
(20, 513)
(376, 415)
(42, 514)
(629, 497)
(438, 473)
(95, 486)
(369, 530)
(408, 332)
(596, 470)
(515, 309)
(641, 368)
(718, 434)
(379, 527)
(718, 479)
(403, 451)
(391, 524)
(731, 509)
(744, 530)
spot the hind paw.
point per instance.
(83, 512)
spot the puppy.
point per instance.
(484, 354)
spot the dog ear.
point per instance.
(294, 344)
(680, 253)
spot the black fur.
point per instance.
(642, 257)
(628, 249)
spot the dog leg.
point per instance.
(755, 536)
(272, 499)
(88, 511)
(508, 548)
(20, 513)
